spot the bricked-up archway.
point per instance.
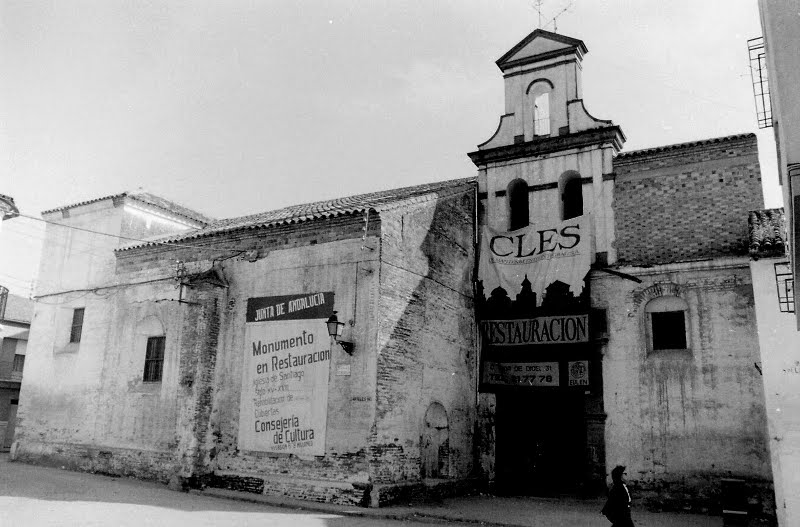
(435, 443)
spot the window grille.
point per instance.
(758, 74)
(785, 281)
(77, 325)
(154, 359)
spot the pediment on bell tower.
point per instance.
(541, 45)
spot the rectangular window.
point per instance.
(154, 359)
(783, 276)
(19, 363)
(77, 325)
(669, 330)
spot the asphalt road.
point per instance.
(32, 496)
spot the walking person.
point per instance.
(618, 505)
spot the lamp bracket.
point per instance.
(346, 346)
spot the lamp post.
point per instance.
(335, 330)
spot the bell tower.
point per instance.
(545, 173)
(547, 145)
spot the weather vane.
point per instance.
(537, 5)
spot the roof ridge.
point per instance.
(698, 142)
(167, 205)
(378, 201)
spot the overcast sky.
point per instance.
(234, 107)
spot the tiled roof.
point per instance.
(8, 209)
(377, 201)
(767, 229)
(666, 148)
(150, 199)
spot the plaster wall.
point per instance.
(73, 258)
(779, 21)
(520, 103)
(85, 400)
(780, 363)
(683, 420)
(81, 398)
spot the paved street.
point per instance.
(33, 496)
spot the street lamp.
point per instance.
(335, 330)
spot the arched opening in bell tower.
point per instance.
(539, 92)
(518, 204)
(571, 187)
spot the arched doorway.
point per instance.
(435, 443)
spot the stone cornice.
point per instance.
(542, 146)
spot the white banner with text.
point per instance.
(287, 360)
(543, 253)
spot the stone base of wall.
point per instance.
(705, 495)
(147, 465)
(326, 491)
(430, 490)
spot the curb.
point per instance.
(389, 513)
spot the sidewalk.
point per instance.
(491, 511)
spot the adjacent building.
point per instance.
(571, 308)
(773, 288)
(776, 69)
(15, 321)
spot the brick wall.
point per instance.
(686, 202)
(426, 346)
(326, 255)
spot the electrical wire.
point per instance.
(129, 238)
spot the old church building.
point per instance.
(571, 308)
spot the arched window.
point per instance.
(541, 114)
(519, 214)
(571, 195)
(667, 323)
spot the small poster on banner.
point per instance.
(578, 373)
(521, 373)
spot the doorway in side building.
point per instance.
(540, 442)
(11, 422)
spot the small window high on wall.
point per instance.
(668, 328)
(76, 330)
(519, 213)
(541, 114)
(572, 197)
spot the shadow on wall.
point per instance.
(425, 401)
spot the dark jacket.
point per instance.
(618, 506)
